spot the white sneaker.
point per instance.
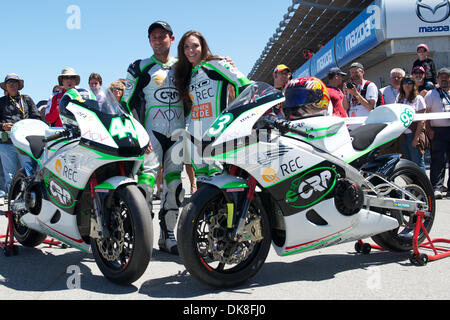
(2, 201)
(438, 194)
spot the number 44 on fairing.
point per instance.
(84, 192)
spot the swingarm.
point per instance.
(405, 202)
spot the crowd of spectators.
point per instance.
(16, 106)
(424, 88)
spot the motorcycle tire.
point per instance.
(204, 218)
(124, 256)
(409, 175)
(24, 235)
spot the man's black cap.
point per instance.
(334, 71)
(160, 24)
(356, 65)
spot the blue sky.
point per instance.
(37, 44)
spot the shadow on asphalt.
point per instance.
(313, 268)
(35, 269)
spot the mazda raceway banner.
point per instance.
(382, 20)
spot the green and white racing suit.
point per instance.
(152, 98)
(209, 93)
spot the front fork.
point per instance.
(100, 220)
(239, 217)
(98, 229)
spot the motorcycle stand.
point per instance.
(365, 248)
(421, 259)
(53, 242)
(416, 257)
(8, 246)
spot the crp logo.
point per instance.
(407, 117)
(311, 187)
(60, 195)
(433, 11)
(167, 95)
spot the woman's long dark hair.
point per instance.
(183, 68)
(412, 95)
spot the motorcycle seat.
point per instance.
(363, 136)
(37, 145)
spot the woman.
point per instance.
(415, 139)
(117, 88)
(206, 84)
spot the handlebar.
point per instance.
(285, 126)
(66, 133)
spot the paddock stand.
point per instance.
(8, 246)
(416, 257)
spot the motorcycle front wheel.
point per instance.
(123, 255)
(206, 248)
(409, 176)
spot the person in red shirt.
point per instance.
(335, 80)
(68, 79)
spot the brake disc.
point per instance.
(112, 247)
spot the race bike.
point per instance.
(300, 185)
(84, 191)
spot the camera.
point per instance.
(350, 85)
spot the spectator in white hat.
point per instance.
(14, 107)
(68, 79)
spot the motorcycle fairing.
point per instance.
(115, 134)
(299, 192)
(225, 182)
(338, 228)
(58, 223)
(22, 130)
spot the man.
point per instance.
(13, 108)
(391, 91)
(423, 86)
(360, 95)
(281, 76)
(438, 100)
(152, 98)
(307, 53)
(426, 62)
(68, 79)
(335, 80)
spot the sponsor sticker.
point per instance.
(202, 111)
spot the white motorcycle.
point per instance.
(302, 185)
(84, 192)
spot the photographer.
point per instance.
(360, 95)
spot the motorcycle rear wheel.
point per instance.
(204, 244)
(408, 175)
(24, 235)
(124, 256)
